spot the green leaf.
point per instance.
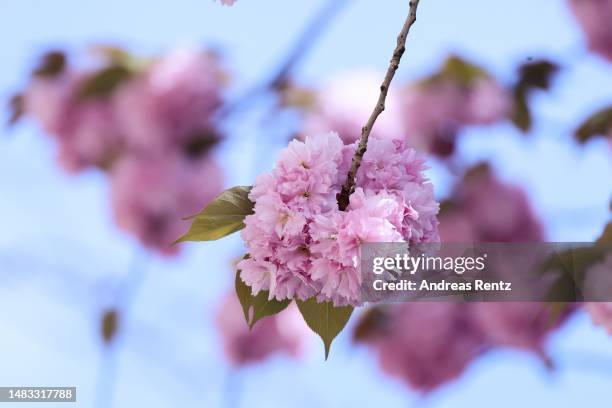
(599, 124)
(223, 216)
(16, 108)
(103, 82)
(521, 114)
(51, 64)
(537, 74)
(257, 307)
(370, 324)
(606, 235)
(324, 319)
(532, 75)
(109, 325)
(461, 71)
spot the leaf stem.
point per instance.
(349, 186)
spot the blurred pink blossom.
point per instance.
(427, 344)
(172, 104)
(523, 325)
(595, 17)
(345, 103)
(86, 130)
(435, 111)
(151, 195)
(283, 333)
(485, 209)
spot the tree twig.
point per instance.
(313, 30)
(349, 186)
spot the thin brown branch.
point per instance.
(349, 186)
(296, 54)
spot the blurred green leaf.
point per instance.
(16, 108)
(199, 143)
(109, 326)
(372, 323)
(521, 114)
(103, 82)
(537, 74)
(606, 235)
(324, 319)
(51, 64)
(257, 307)
(223, 216)
(532, 75)
(459, 70)
(599, 124)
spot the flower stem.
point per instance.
(349, 186)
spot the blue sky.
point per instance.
(60, 255)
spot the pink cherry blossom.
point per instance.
(282, 333)
(172, 103)
(523, 325)
(594, 18)
(345, 103)
(427, 344)
(86, 131)
(485, 209)
(302, 245)
(435, 111)
(151, 195)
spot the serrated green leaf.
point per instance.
(103, 82)
(324, 319)
(599, 124)
(257, 307)
(223, 216)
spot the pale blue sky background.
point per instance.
(60, 255)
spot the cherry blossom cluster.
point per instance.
(301, 245)
(427, 344)
(594, 18)
(148, 125)
(485, 209)
(429, 113)
(283, 333)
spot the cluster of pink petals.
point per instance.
(152, 195)
(435, 111)
(345, 103)
(428, 114)
(86, 132)
(427, 344)
(283, 333)
(301, 245)
(151, 134)
(485, 209)
(172, 103)
(594, 17)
